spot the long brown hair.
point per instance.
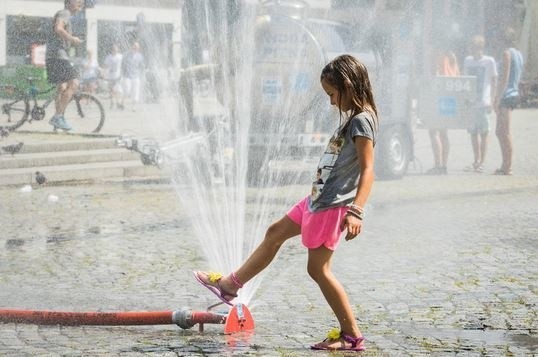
(345, 72)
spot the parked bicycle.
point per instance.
(84, 110)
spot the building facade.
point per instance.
(25, 24)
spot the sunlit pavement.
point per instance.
(445, 266)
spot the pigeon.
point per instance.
(3, 132)
(40, 178)
(13, 149)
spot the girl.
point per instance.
(507, 99)
(335, 203)
(447, 66)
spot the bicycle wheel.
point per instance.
(85, 113)
(14, 107)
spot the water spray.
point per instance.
(238, 319)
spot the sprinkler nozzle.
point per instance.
(149, 150)
(186, 318)
(238, 319)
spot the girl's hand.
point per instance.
(353, 226)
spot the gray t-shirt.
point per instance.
(57, 47)
(338, 171)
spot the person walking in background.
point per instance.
(113, 63)
(90, 73)
(132, 69)
(446, 66)
(149, 47)
(60, 69)
(485, 70)
(347, 170)
(507, 99)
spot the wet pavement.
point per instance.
(446, 266)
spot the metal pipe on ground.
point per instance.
(238, 319)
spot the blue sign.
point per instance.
(447, 106)
(301, 82)
(271, 90)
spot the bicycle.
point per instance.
(84, 110)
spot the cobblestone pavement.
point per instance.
(446, 266)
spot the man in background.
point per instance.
(113, 63)
(60, 69)
(133, 69)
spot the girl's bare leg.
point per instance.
(319, 268)
(505, 138)
(476, 148)
(436, 147)
(263, 255)
(483, 148)
(445, 146)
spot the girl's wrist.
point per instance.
(350, 214)
(355, 211)
(356, 207)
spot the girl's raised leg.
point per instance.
(262, 256)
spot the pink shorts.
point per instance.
(318, 228)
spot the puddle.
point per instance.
(14, 243)
(525, 341)
(58, 238)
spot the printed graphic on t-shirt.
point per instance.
(326, 164)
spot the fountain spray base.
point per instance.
(238, 318)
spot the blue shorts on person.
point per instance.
(510, 102)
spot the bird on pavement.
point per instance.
(3, 132)
(13, 148)
(40, 178)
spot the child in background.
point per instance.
(447, 66)
(507, 99)
(90, 73)
(484, 69)
(113, 63)
(347, 173)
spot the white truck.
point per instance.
(290, 117)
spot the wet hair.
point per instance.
(345, 72)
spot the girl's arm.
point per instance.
(365, 156)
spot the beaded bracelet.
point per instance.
(357, 207)
(355, 210)
(354, 214)
(361, 212)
